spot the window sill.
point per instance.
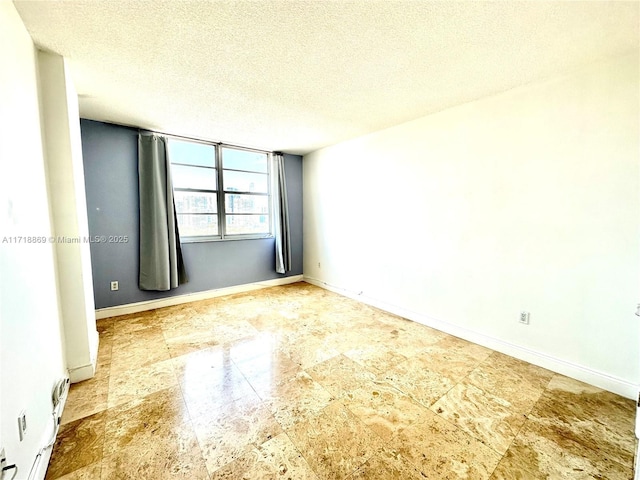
(225, 239)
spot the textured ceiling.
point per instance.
(299, 75)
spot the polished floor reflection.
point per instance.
(296, 382)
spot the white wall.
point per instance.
(30, 339)
(527, 200)
(65, 173)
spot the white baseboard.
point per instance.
(84, 372)
(192, 297)
(593, 377)
(40, 469)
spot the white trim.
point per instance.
(84, 372)
(192, 297)
(579, 372)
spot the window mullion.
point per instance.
(222, 221)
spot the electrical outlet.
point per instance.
(22, 424)
(524, 318)
(114, 285)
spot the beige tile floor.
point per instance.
(296, 383)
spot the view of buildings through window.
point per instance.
(220, 191)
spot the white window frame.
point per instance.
(221, 192)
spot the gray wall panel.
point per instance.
(111, 178)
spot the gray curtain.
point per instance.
(283, 240)
(161, 264)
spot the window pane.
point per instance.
(243, 224)
(244, 160)
(197, 225)
(193, 177)
(235, 203)
(192, 153)
(195, 202)
(245, 182)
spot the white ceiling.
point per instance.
(299, 75)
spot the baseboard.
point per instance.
(84, 372)
(192, 297)
(558, 365)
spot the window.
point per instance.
(220, 191)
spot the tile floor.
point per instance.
(299, 383)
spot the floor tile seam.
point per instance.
(108, 379)
(238, 363)
(136, 367)
(98, 372)
(461, 430)
(102, 357)
(417, 400)
(106, 458)
(468, 381)
(173, 371)
(297, 449)
(83, 417)
(103, 340)
(246, 379)
(101, 448)
(381, 379)
(103, 361)
(393, 434)
(363, 425)
(541, 391)
(389, 446)
(454, 385)
(185, 402)
(407, 358)
(532, 474)
(509, 447)
(139, 344)
(449, 377)
(275, 408)
(76, 470)
(408, 397)
(182, 423)
(126, 412)
(237, 416)
(368, 369)
(115, 335)
(245, 449)
(528, 417)
(515, 434)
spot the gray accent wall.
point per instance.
(110, 155)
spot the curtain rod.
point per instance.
(146, 130)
